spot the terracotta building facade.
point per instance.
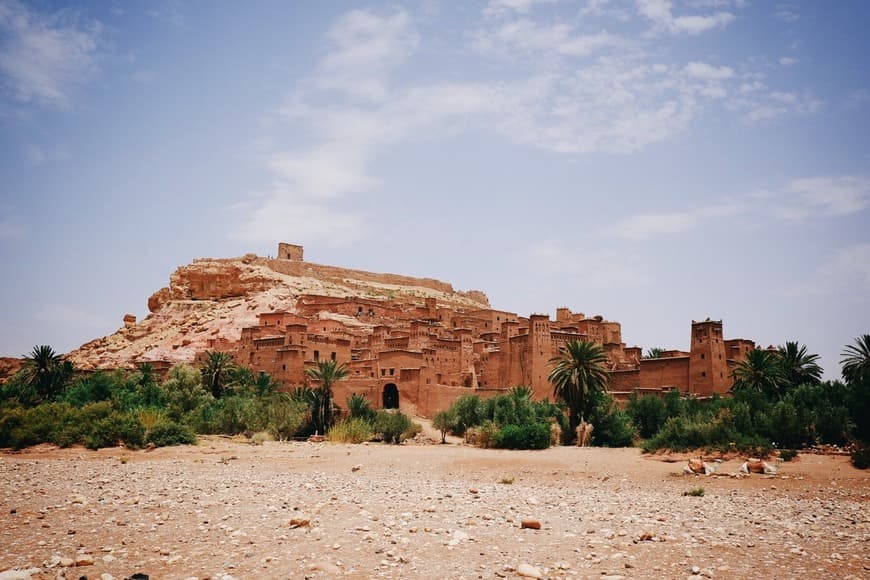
(421, 356)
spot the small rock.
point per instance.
(299, 523)
(356, 468)
(84, 560)
(530, 524)
(67, 562)
(696, 570)
(528, 571)
(326, 567)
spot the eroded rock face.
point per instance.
(8, 367)
(210, 301)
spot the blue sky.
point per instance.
(652, 161)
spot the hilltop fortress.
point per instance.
(413, 343)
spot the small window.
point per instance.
(283, 367)
(392, 372)
(702, 356)
(316, 355)
(383, 372)
(332, 355)
(704, 373)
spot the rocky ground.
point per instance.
(290, 510)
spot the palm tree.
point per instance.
(327, 373)
(798, 367)
(759, 371)
(654, 352)
(579, 372)
(216, 370)
(856, 360)
(46, 372)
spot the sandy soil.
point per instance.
(224, 509)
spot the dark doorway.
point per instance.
(391, 396)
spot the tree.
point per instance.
(183, 391)
(798, 367)
(216, 369)
(579, 372)
(327, 373)
(654, 352)
(46, 373)
(443, 420)
(760, 371)
(856, 360)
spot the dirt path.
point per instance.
(226, 509)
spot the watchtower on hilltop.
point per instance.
(289, 252)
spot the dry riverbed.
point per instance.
(226, 509)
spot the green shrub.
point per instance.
(390, 425)
(530, 436)
(359, 407)
(861, 457)
(694, 492)
(613, 427)
(648, 414)
(351, 431)
(468, 411)
(170, 433)
(113, 429)
(787, 454)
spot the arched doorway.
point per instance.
(391, 396)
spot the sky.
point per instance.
(652, 161)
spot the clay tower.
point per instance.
(540, 353)
(708, 370)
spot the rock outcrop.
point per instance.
(209, 301)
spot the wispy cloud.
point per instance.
(497, 8)
(563, 89)
(798, 200)
(786, 13)
(788, 61)
(45, 56)
(660, 12)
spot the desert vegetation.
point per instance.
(778, 400)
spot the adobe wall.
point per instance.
(290, 252)
(665, 372)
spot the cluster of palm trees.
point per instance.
(580, 371)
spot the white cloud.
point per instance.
(707, 72)
(45, 56)
(788, 61)
(660, 12)
(506, 7)
(786, 13)
(829, 196)
(798, 200)
(365, 47)
(525, 37)
(761, 104)
(645, 226)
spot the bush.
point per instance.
(170, 433)
(694, 492)
(359, 407)
(648, 414)
(613, 427)
(787, 454)
(117, 427)
(467, 410)
(861, 457)
(350, 431)
(532, 436)
(390, 425)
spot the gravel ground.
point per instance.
(225, 509)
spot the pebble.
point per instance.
(529, 571)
